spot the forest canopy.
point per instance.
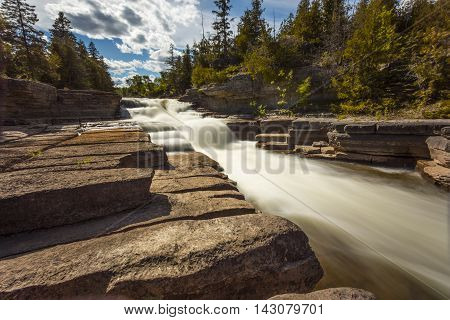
(376, 56)
(63, 61)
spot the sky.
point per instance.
(134, 36)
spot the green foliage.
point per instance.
(251, 29)
(64, 62)
(260, 62)
(285, 84)
(143, 87)
(428, 48)
(304, 92)
(373, 47)
(23, 46)
(203, 76)
(259, 111)
(223, 34)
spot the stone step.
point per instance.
(88, 176)
(273, 137)
(273, 146)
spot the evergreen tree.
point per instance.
(70, 69)
(251, 28)
(369, 53)
(97, 70)
(26, 42)
(427, 49)
(61, 28)
(186, 70)
(223, 33)
(93, 52)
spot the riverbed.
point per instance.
(383, 230)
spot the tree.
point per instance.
(427, 49)
(61, 28)
(93, 52)
(186, 72)
(370, 52)
(26, 42)
(251, 28)
(70, 69)
(223, 33)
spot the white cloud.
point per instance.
(138, 25)
(118, 67)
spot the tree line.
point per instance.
(64, 61)
(379, 56)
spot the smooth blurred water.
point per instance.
(383, 230)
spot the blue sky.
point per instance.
(134, 35)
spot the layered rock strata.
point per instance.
(193, 236)
(24, 102)
(62, 178)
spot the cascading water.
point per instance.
(386, 231)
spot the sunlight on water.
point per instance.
(379, 229)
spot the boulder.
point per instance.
(329, 294)
(438, 143)
(438, 174)
(243, 257)
(445, 132)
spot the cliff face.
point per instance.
(22, 100)
(235, 95)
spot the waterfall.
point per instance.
(378, 229)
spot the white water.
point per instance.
(383, 230)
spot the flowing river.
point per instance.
(383, 230)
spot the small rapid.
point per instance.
(383, 230)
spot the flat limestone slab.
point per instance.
(47, 199)
(243, 257)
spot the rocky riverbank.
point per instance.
(421, 144)
(98, 211)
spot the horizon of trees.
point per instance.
(378, 56)
(64, 61)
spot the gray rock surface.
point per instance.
(234, 257)
(24, 102)
(56, 182)
(329, 294)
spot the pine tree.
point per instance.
(186, 70)
(223, 33)
(64, 49)
(251, 28)
(427, 49)
(93, 51)
(369, 54)
(26, 41)
(61, 28)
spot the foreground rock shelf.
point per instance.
(98, 212)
